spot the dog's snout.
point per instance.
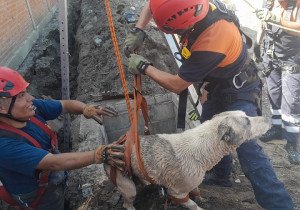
(259, 126)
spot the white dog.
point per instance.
(179, 161)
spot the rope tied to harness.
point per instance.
(139, 101)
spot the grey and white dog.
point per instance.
(179, 161)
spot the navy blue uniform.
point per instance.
(19, 159)
(280, 50)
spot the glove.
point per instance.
(133, 41)
(111, 154)
(96, 112)
(193, 115)
(256, 53)
(265, 15)
(137, 64)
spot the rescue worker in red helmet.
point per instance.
(214, 52)
(28, 147)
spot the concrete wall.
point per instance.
(161, 112)
(20, 23)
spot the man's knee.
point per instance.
(252, 157)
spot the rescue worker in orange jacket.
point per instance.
(214, 52)
(28, 149)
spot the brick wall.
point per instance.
(52, 3)
(17, 21)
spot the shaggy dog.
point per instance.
(179, 161)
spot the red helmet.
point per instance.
(172, 15)
(11, 82)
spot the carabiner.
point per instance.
(234, 83)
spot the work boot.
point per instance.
(212, 179)
(275, 132)
(293, 153)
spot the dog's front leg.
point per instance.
(126, 187)
(190, 204)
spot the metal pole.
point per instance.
(64, 57)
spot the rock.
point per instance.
(97, 40)
(114, 199)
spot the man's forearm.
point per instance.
(168, 81)
(291, 25)
(73, 106)
(145, 17)
(66, 161)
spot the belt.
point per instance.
(246, 76)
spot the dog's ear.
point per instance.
(225, 131)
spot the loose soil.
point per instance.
(94, 77)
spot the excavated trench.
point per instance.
(94, 78)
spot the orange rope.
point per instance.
(119, 60)
(133, 114)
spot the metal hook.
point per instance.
(234, 83)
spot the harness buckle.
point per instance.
(292, 69)
(234, 81)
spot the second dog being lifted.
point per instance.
(179, 161)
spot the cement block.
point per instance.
(89, 135)
(160, 98)
(167, 126)
(162, 111)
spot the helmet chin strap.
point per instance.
(9, 114)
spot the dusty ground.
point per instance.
(92, 58)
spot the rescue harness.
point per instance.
(42, 176)
(218, 11)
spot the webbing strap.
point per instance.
(5, 196)
(43, 176)
(46, 129)
(133, 116)
(129, 139)
(138, 98)
(43, 181)
(182, 109)
(12, 129)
